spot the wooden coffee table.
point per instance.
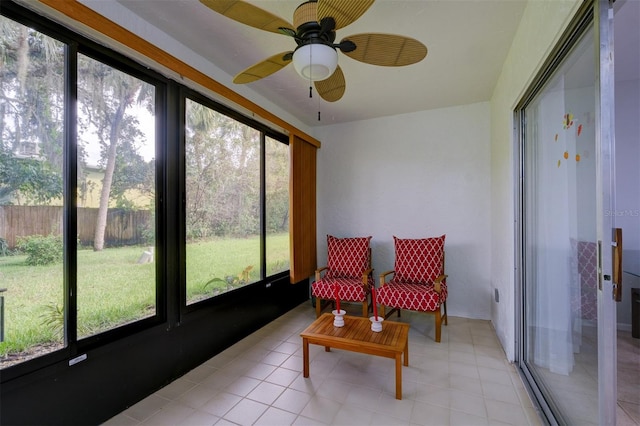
(356, 336)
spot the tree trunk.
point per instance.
(103, 209)
(23, 61)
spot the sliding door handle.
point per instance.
(617, 264)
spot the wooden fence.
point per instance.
(124, 227)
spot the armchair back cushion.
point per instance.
(418, 261)
(347, 257)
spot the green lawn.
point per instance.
(113, 289)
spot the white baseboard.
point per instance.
(624, 327)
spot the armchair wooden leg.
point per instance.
(438, 325)
(381, 311)
(446, 317)
(318, 307)
(365, 309)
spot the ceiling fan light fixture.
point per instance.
(315, 61)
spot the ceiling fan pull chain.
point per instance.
(310, 62)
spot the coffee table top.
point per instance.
(358, 330)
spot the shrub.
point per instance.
(231, 281)
(148, 231)
(41, 250)
(4, 248)
(53, 319)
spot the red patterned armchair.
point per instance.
(419, 282)
(348, 267)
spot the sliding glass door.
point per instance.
(567, 350)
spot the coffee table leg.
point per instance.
(399, 376)
(305, 357)
(406, 354)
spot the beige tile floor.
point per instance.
(576, 393)
(464, 380)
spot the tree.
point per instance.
(27, 180)
(132, 172)
(222, 174)
(277, 186)
(31, 92)
(104, 97)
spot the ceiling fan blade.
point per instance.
(333, 87)
(248, 14)
(264, 68)
(343, 11)
(387, 50)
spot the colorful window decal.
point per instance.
(567, 123)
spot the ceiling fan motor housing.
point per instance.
(308, 29)
(315, 57)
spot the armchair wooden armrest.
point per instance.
(438, 281)
(383, 275)
(365, 278)
(319, 272)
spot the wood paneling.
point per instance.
(302, 209)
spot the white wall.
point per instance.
(540, 27)
(439, 171)
(414, 175)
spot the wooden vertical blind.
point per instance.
(302, 208)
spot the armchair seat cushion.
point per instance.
(350, 289)
(413, 297)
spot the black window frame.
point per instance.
(265, 131)
(170, 98)
(125, 65)
(77, 44)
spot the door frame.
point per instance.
(605, 190)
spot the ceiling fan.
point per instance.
(314, 30)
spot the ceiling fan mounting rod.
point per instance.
(317, 32)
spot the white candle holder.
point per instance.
(338, 317)
(376, 323)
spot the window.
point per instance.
(31, 192)
(116, 277)
(73, 266)
(277, 205)
(223, 188)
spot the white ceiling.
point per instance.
(467, 41)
